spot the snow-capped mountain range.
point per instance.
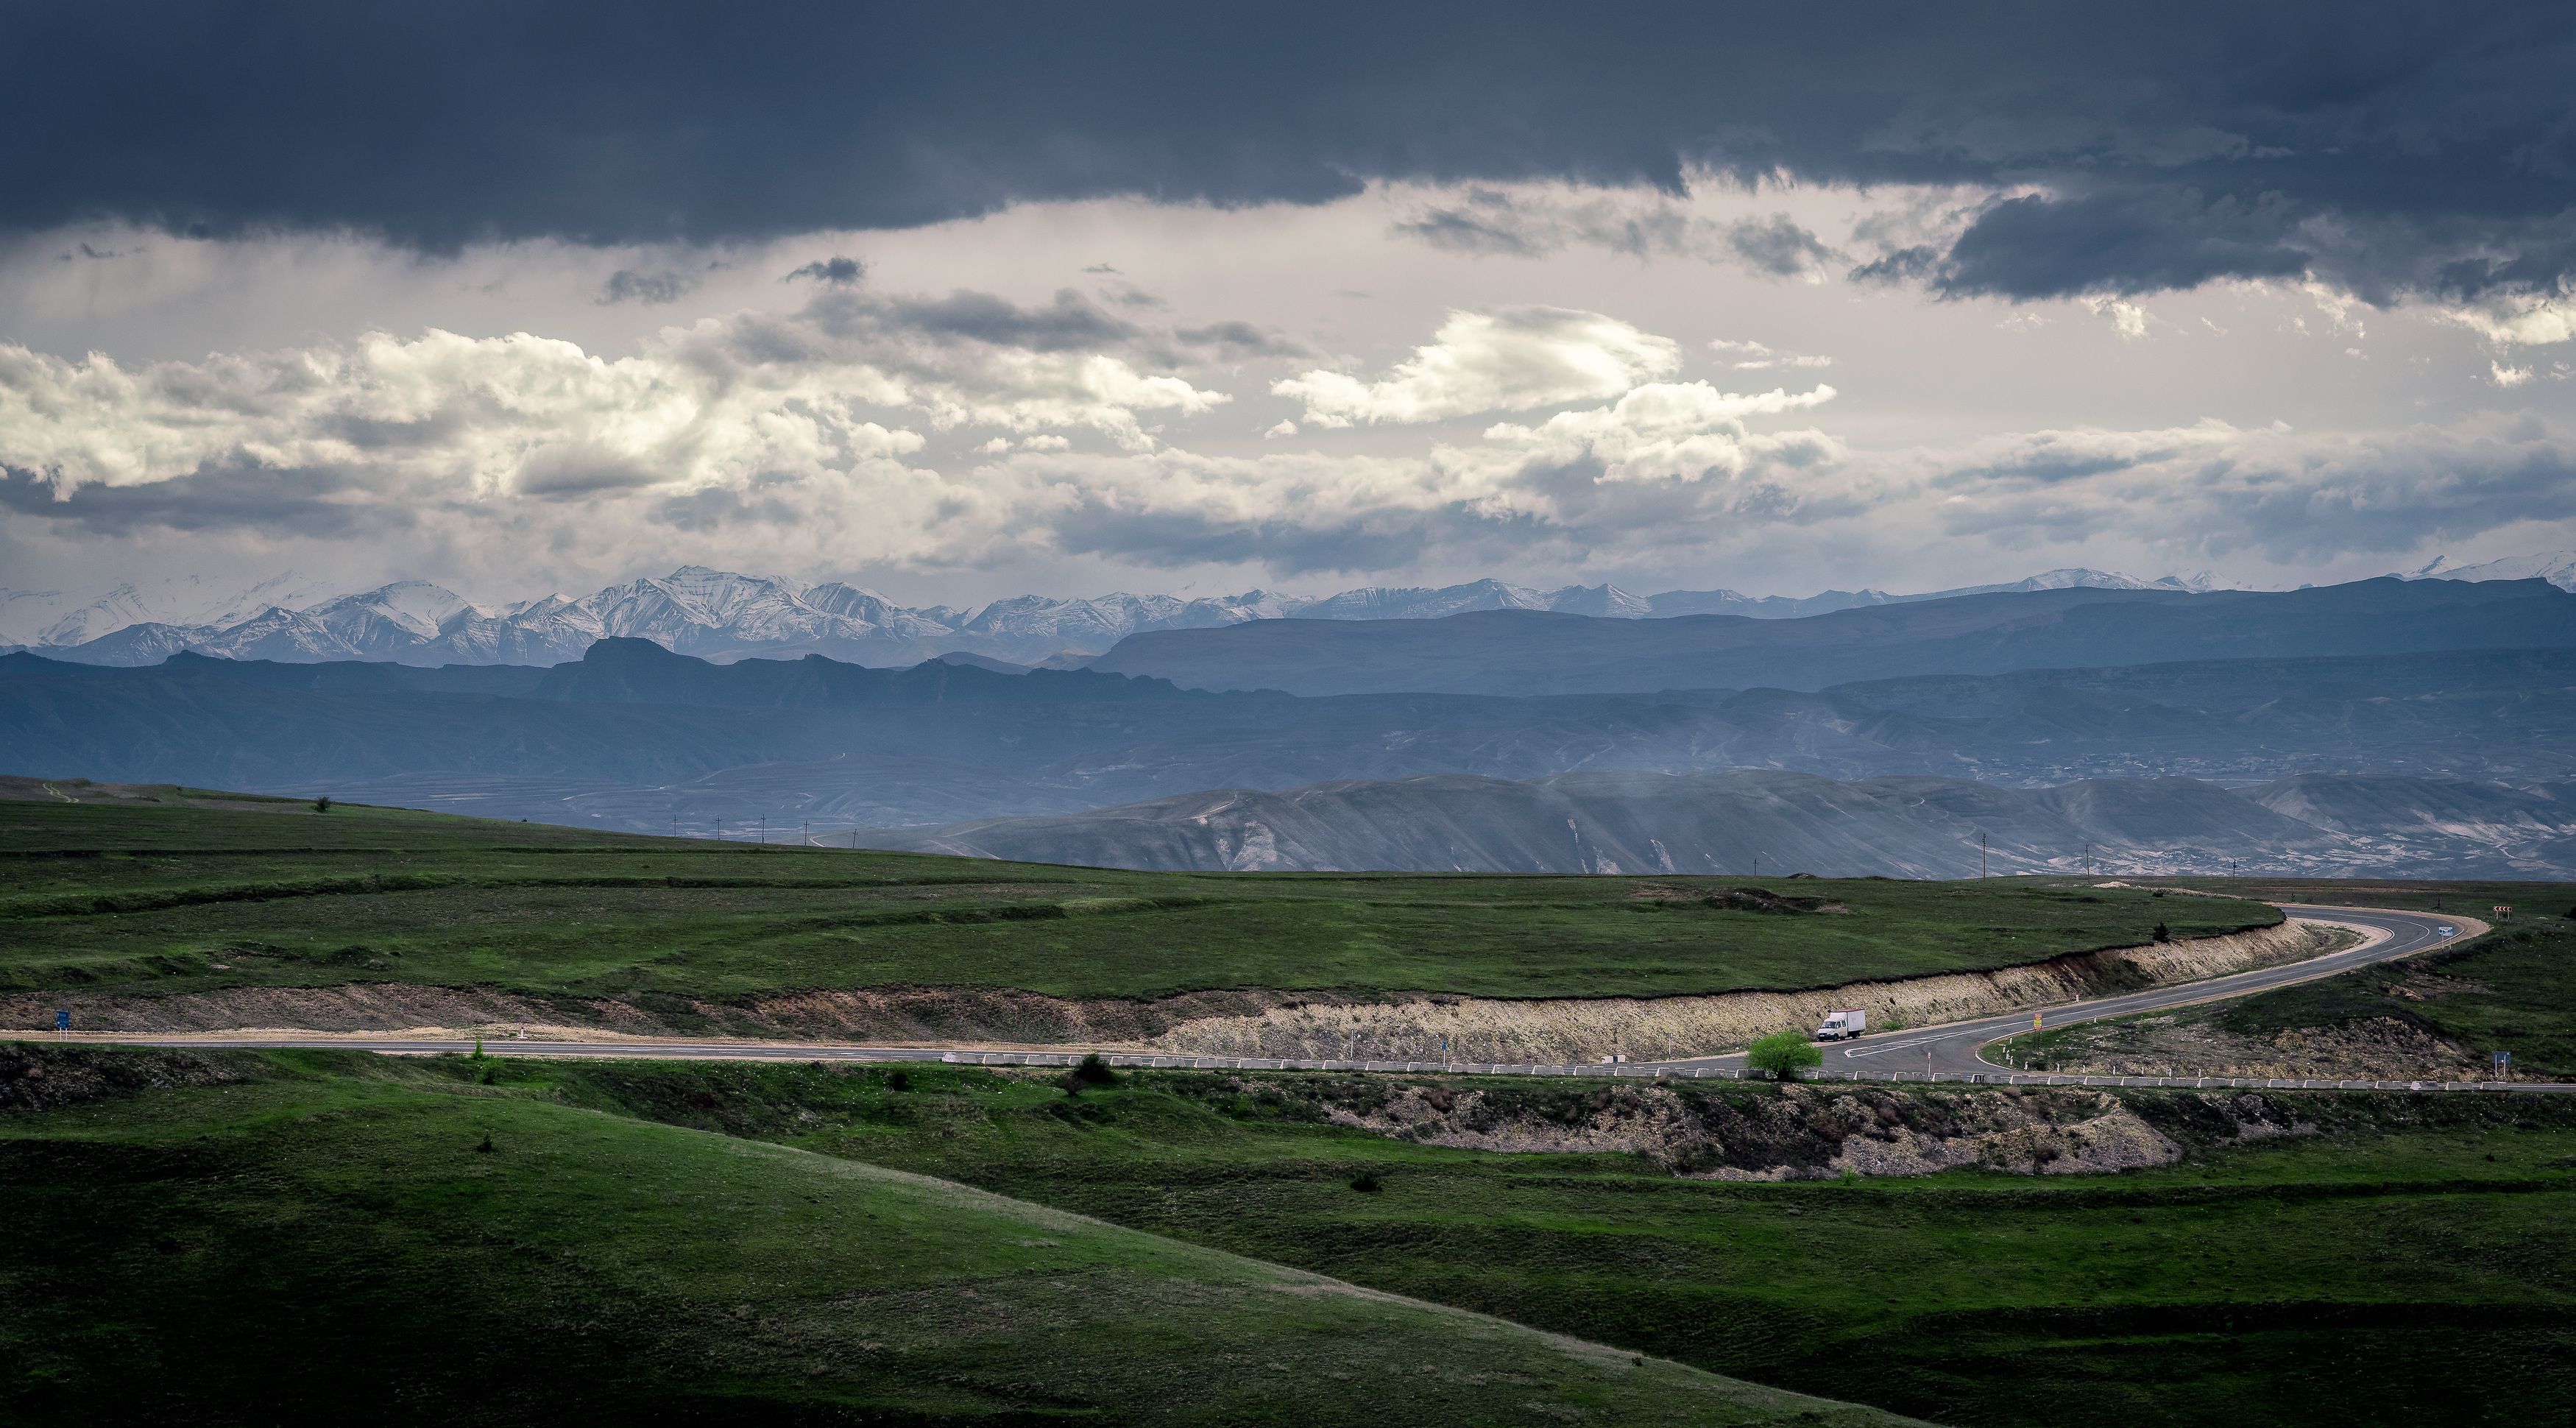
(723, 615)
(2558, 567)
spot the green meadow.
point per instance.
(156, 899)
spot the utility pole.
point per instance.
(1981, 868)
(764, 832)
(808, 835)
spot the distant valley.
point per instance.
(1776, 823)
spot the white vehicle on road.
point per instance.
(1842, 1025)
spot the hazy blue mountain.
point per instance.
(1526, 652)
(1770, 822)
(633, 736)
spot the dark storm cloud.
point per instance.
(1071, 322)
(2175, 143)
(1777, 246)
(650, 289)
(837, 271)
(1236, 340)
(1377, 540)
(321, 503)
(1464, 232)
(2130, 242)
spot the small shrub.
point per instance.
(1092, 1071)
(899, 1081)
(322, 804)
(2163, 933)
(1366, 1182)
(485, 1148)
(1782, 1055)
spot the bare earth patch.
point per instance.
(1805, 1132)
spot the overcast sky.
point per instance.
(961, 302)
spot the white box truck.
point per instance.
(1842, 1025)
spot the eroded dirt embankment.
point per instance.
(1799, 1132)
(1249, 1022)
(1662, 1028)
(1734, 1131)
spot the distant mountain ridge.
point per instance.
(1536, 652)
(724, 615)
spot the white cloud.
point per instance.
(474, 417)
(723, 402)
(1671, 432)
(2520, 321)
(1756, 357)
(2504, 376)
(1507, 360)
(1283, 427)
(2127, 318)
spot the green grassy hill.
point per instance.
(196, 892)
(241, 1238)
(224, 1237)
(2388, 1260)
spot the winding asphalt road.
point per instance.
(1955, 1048)
(1936, 1053)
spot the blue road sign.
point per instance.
(63, 1020)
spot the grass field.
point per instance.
(243, 1238)
(2416, 1262)
(2513, 989)
(702, 1243)
(155, 899)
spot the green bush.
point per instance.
(1782, 1055)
